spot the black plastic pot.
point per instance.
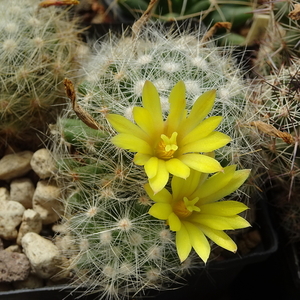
(289, 252)
(207, 283)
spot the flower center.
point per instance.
(167, 146)
(185, 207)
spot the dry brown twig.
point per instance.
(214, 28)
(48, 3)
(137, 26)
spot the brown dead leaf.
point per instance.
(82, 114)
(272, 131)
(295, 14)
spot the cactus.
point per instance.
(164, 61)
(275, 114)
(39, 47)
(238, 13)
(280, 43)
(121, 249)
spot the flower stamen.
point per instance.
(167, 146)
(185, 207)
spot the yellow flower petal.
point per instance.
(151, 102)
(131, 143)
(223, 208)
(145, 121)
(184, 187)
(183, 243)
(174, 222)
(213, 141)
(198, 241)
(151, 167)
(123, 125)
(219, 222)
(215, 183)
(220, 238)
(160, 211)
(202, 130)
(199, 111)
(177, 107)
(238, 178)
(140, 159)
(158, 182)
(201, 163)
(177, 168)
(163, 196)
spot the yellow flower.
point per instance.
(173, 145)
(194, 212)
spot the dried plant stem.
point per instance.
(214, 28)
(48, 3)
(137, 26)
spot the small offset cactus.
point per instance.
(121, 249)
(39, 47)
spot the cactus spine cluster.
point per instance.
(120, 249)
(39, 47)
(275, 111)
(275, 114)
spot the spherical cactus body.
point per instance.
(121, 249)
(39, 48)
